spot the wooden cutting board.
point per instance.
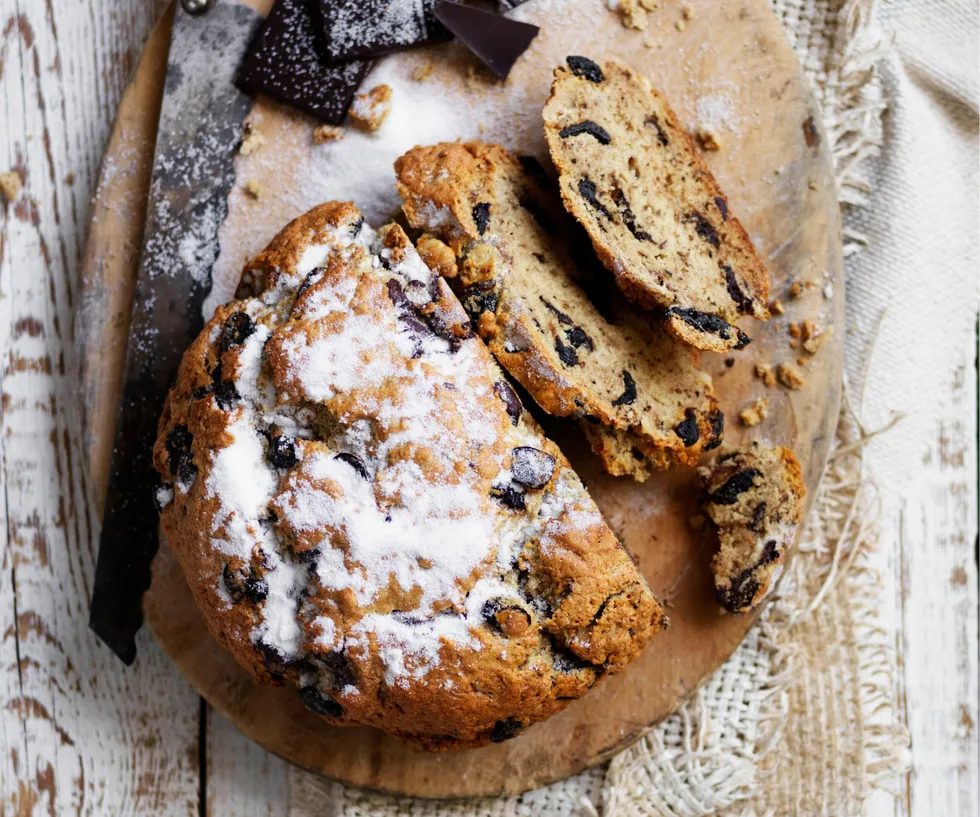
(723, 63)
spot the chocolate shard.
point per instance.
(287, 61)
(509, 5)
(497, 41)
(364, 29)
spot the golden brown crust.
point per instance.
(634, 178)
(755, 497)
(560, 328)
(363, 512)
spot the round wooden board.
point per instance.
(730, 64)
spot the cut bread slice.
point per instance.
(755, 498)
(500, 235)
(634, 179)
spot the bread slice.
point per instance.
(656, 216)
(363, 509)
(755, 498)
(500, 235)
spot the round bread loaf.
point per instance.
(363, 509)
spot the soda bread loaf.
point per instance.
(364, 510)
(755, 499)
(634, 179)
(498, 233)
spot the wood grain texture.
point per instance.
(777, 174)
(81, 734)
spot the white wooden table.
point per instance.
(83, 734)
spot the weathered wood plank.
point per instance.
(82, 734)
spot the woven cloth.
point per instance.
(802, 718)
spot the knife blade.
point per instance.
(200, 125)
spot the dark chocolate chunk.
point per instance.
(408, 315)
(531, 467)
(587, 191)
(722, 207)
(282, 452)
(355, 229)
(743, 339)
(744, 586)
(716, 421)
(629, 217)
(179, 456)
(237, 329)
(481, 215)
(757, 516)
(628, 397)
(506, 616)
(600, 134)
(704, 228)
(275, 660)
(509, 495)
(742, 301)
(497, 41)
(505, 392)
(309, 279)
(579, 338)
(479, 298)
(585, 68)
(688, 429)
(554, 310)
(704, 322)
(734, 486)
(354, 463)
(567, 354)
(225, 393)
(508, 5)
(288, 61)
(201, 392)
(653, 122)
(505, 730)
(343, 671)
(320, 704)
(362, 29)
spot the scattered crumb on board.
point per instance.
(253, 188)
(707, 136)
(10, 185)
(776, 307)
(252, 140)
(327, 133)
(764, 372)
(370, 109)
(756, 413)
(789, 376)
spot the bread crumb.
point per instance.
(687, 12)
(813, 185)
(776, 307)
(252, 140)
(796, 291)
(707, 137)
(794, 330)
(756, 413)
(789, 376)
(253, 188)
(814, 336)
(764, 372)
(327, 133)
(423, 72)
(633, 14)
(680, 25)
(437, 256)
(10, 185)
(370, 109)
(697, 522)
(648, 43)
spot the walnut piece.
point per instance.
(790, 376)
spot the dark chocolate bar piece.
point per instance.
(373, 28)
(496, 40)
(508, 5)
(287, 61)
